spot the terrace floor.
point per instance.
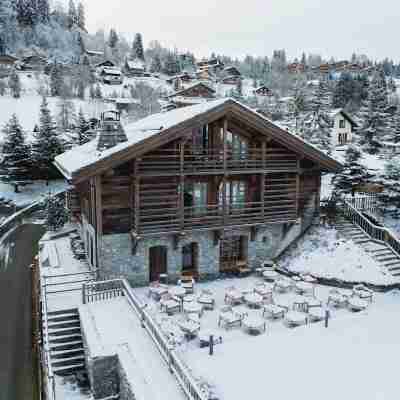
(349, 359)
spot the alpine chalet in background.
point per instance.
(202, 190)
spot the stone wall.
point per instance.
(102, 366)
(269, 241)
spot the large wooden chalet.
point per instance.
(202, 190)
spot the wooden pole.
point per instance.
(182, 187)
(224, 132)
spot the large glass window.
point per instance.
(235, 194)
(237, 145)
(195, 196)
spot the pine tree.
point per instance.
(171, 64)
(15, 156)
(3, 87)
(137, 48)
(47, 145)
(56, 213)
(43, 10)
(155, 65)
(56, 80)
(353, 173)
(98, 94)
(344, 90)
(82, 129)
(72, 14)
(390, 197)
(66, 114)
(81, 16)
(2, 46)
(374, 115)
(14, 84)
(92, 92)
(8, 24)
(113, 39)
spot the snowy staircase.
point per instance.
(65, 339)
(379, 251)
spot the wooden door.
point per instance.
(158, 262)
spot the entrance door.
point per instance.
(158, 262)
(233, 252)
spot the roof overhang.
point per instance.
(229, 108)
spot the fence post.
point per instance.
(84, 293)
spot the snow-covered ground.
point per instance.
(323, 252)
(31, 193)
(349, 359)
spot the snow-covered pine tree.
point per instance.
(56, 213)
(171, 64)
(81, 130)
(155, 65)
(374, 115)
(353, 173)
(14, 84)
(81, 16)
(72, 14)
(43, 10)
(3, 87)
(8, 23)
(15, 160)
(343, 91)
(92, 92)
(113, 39)
(66, 113)
(56, 80)
(137, 52)
(98, 93)
(390, 197)
(47, 144)
(2, 46)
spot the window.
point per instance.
(195, 196)
(235, 194)
(342, 124)
(201, 138)
(189, 257)
(237, 145)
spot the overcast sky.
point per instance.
(256, 27)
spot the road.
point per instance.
(17, 371)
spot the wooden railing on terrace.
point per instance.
(216, 215)
(376, 232)
(170, 161)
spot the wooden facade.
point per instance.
(218, 172)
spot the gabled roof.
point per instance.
(8, 57)
(84, 161)
(135, 64)
(193, 85)
(105, 63)
(347, 116)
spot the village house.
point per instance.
(204, 190)
(192, 94)
(212, 64)
(342, 127)
(111, 76)
(7, 62)
(135, 68)
(296, 68)
(104, 64)
(205, 75)
(263, 91)
(33, 63)
(184, 77)
(230, 80)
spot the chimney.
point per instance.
(111, 131)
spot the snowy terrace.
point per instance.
(349, 359)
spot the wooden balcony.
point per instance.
(213, 216)
(211, 161)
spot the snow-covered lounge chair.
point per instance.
(157, 290)
(282, 285)
(357, 304)
(337, 299)
(229, 318)
(169, 304)
(363, 292)
(316, 314)
(295, 318)
(264, 290)
(233, 296)
(273, 311)
(187, 282)
(206, 299)
(189, 327)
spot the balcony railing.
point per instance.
(169, 161)
(215, 215)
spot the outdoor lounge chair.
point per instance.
(273, 311)
(233, 296)
(170, 304)
(283, 285)
(187, 282)
(265, 291)
(337, 299)
(228, 318)
(206, 299)
(363, 292)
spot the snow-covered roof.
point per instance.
(111, 71)
(337, 111)
(135, 64)
(191, 86)
(73, 161)
(94, 53)
(189, 100)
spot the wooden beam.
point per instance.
(182, 186)
(137, 199)
(297, 188)
(225, 154)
